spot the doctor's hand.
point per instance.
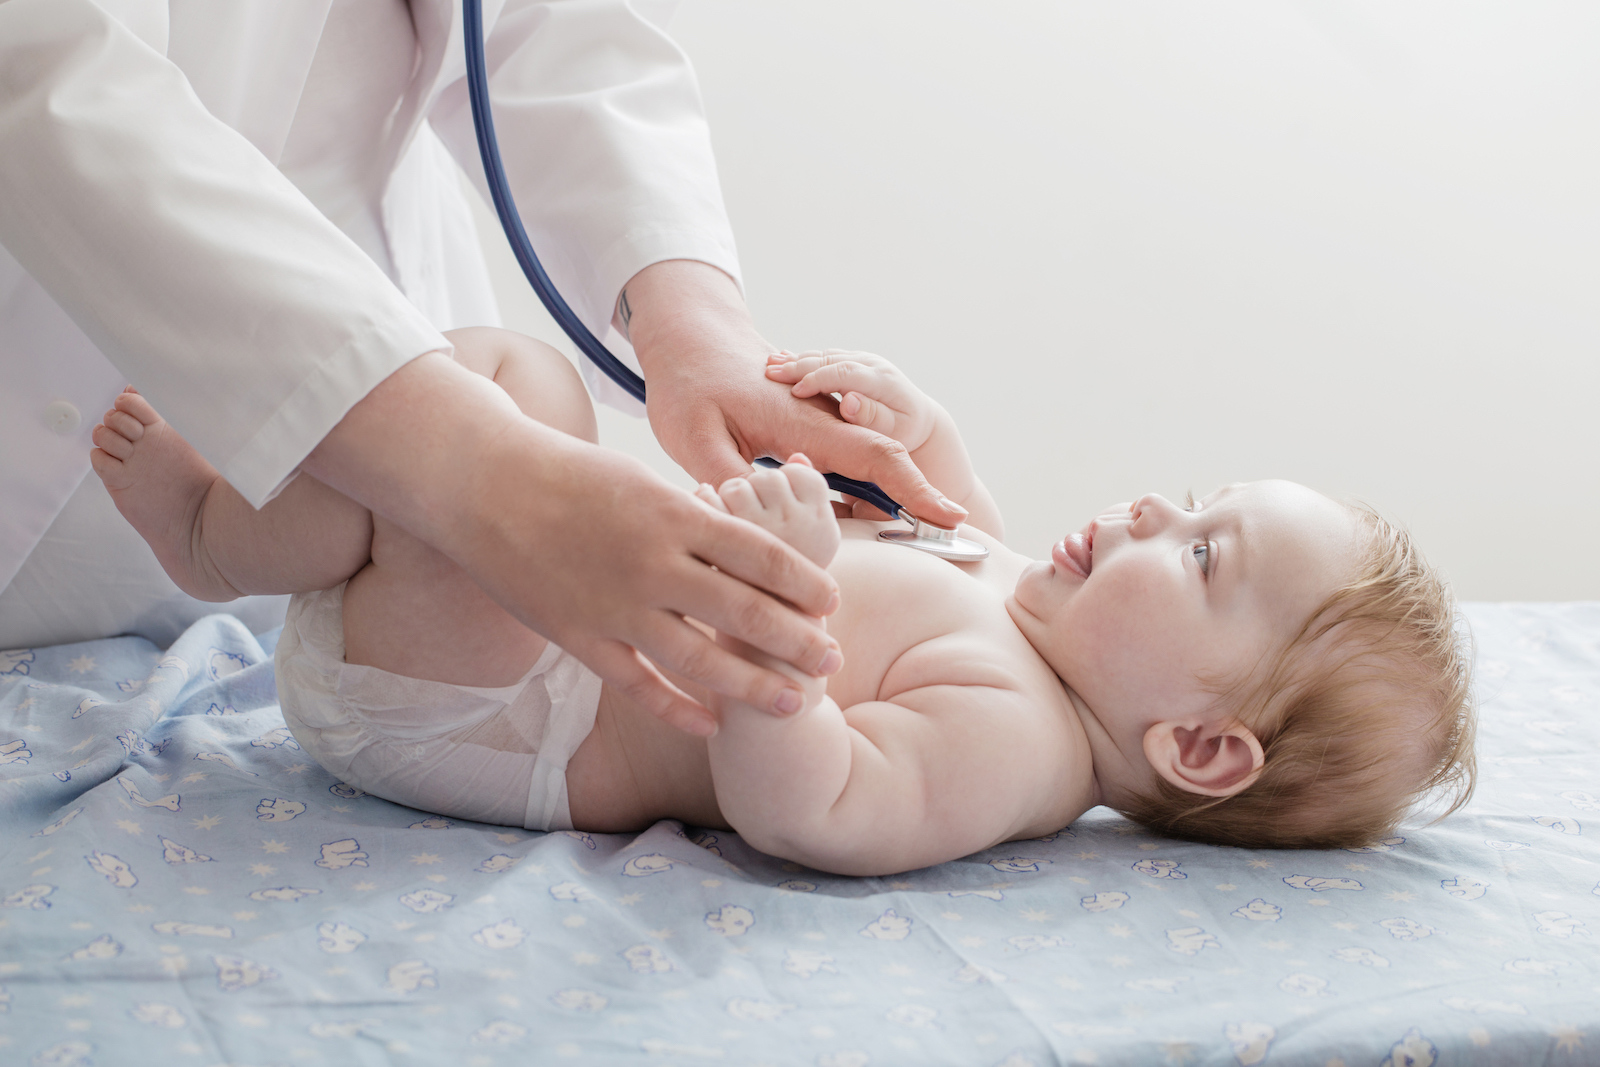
(582, 544)
(714, 410)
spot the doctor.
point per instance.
(250, 211)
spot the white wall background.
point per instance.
(1160, 245)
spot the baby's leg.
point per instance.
(413, 611)
(210, 541)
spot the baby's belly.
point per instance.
(901, 615)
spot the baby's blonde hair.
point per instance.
(1365, 711)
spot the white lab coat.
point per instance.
(149, 238)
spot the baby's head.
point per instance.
(1265, 668)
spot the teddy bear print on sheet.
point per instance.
(180, 884)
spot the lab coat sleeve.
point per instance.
(249, 320)
(605, 143)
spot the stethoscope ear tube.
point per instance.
(506, 207)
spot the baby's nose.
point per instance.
(1154, 511)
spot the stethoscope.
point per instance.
(923, 536)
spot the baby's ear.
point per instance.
(1214, 759)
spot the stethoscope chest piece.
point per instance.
(936, 540)
(923, 536)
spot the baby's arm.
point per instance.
(876, 394)
(878, 788)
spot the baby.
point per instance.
(1261, 667)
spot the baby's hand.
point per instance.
(791, 502)
(872, 391)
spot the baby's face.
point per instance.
(1152, 598)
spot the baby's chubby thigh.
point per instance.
(413, 611)
(538, 378)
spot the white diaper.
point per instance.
(489, 755)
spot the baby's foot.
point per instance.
(791, 502)
(159, 484)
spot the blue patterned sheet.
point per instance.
(181, 885)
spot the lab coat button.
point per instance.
(62, 417)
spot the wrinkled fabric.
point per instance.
(181, 884)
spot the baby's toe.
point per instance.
(123, 424)
(107, 467)
(111, 442)
(137, 407)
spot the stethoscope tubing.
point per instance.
(511, 221)
(505, 206)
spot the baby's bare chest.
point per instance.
(908, 620)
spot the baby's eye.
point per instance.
(1202, 556)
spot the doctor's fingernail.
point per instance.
(832, 661)
(832, 605)
(788, 702)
